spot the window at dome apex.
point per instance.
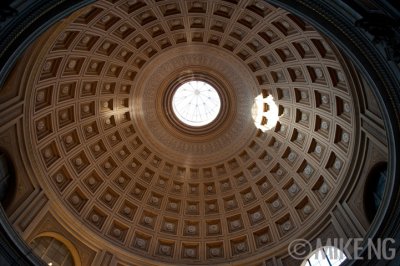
(196, 103)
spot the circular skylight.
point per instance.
(196, 103)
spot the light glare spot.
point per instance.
(265, 119)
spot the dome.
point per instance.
(190, 132)
(108, 147)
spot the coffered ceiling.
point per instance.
(107, 149)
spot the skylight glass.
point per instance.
(196, 103)
(326, 256)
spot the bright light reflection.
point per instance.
(196, 103)
(265, 112)
(326, 256)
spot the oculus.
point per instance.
(196, 103)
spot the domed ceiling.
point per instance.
(127, 174)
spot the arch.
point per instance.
(71, 248)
